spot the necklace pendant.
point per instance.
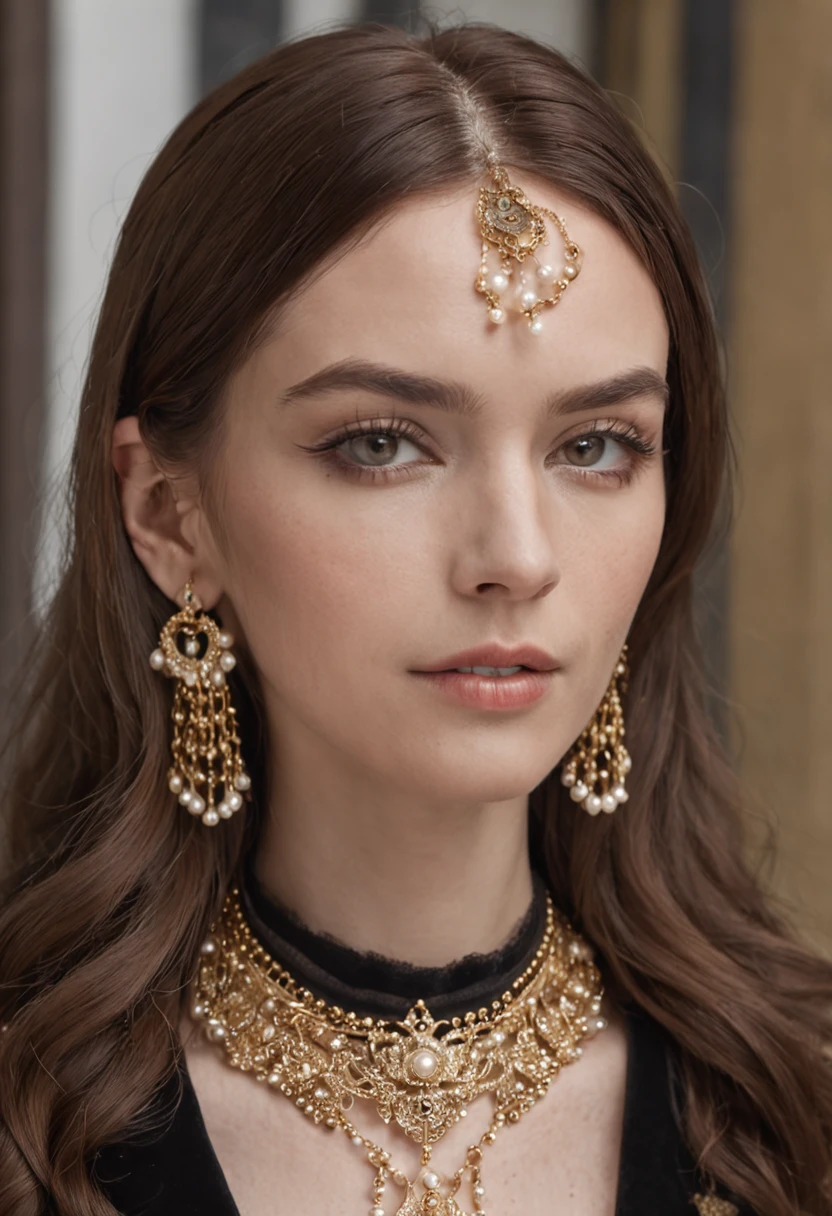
(430, 1204)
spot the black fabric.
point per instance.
(381, 987)
(174, 1171)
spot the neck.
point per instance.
(401, 876)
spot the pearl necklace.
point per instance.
(419, 1073)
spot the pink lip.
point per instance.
(496, 655)
(489, 692)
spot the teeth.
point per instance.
(491, 671)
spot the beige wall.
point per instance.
(781, 388)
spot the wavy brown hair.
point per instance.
(108, 890)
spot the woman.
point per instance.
(405, 365)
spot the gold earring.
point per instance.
(205, 744)
(598, 762)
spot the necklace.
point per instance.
(419, 1073)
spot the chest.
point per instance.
(562, 1158)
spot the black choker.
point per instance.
(377, 986)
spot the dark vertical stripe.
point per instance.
(24, 80)
(705, 170)
(404, 13)
(233, 33)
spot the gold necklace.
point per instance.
(418, 1072)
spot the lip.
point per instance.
(494, 654)
(489, 692)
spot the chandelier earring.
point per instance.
(206, 771)
(595, 768)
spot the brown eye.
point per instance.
(588, 449)
(376, 449)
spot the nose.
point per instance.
(505, 534)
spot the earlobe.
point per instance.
(153, 521)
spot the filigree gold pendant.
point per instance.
(514, 226)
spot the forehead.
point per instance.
(405, 296)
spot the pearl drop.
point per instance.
(609, 803)
(592, 803)
(376, 1211)
(234, 800)
(499, 282)
(536, 326)
(545, 272)
(185, 797)
(424, 1064)
(227, 661)
(157, 660)
(431, 1180)
(209, 946)
(528, 299)
(218, 677)
(217, 1033)
(497, 315)
(190, 678)
(226, 639)
(498, 1037)
(175, 784)
(570, 271)
(224, 810)
(568, 779)
(196, 805)
(210, 818)
(619, 793)
(357, 1140)
(242, 781)
(627, 764)
(578, 792)
(192, 647)
(197, 1009)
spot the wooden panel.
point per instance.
(781, 373)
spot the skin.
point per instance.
(397, 820)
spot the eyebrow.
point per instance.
(458, 398)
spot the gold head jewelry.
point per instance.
(419, 1073)
(595, 769)
(207, 771)
(515, 226)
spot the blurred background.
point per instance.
(733, 97)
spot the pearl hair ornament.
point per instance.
(207, 772)
(515, 226)
(595, 769)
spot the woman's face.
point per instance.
(468, 507)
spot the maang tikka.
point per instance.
(207, 771)
(595, 768)
(515, 226)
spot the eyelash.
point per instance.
(627, 433)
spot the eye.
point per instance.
(609, 450)
(369, 448)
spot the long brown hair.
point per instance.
(110, 889)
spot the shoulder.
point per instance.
(169, 1169)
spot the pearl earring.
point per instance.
(598, 763)
(515, 225)
(205, 745)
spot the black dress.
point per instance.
(175, 1171)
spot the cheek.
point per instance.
(319, 589)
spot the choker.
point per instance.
(375, 984)
(417, 1069)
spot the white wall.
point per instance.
(123, 74)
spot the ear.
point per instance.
(165, 523)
